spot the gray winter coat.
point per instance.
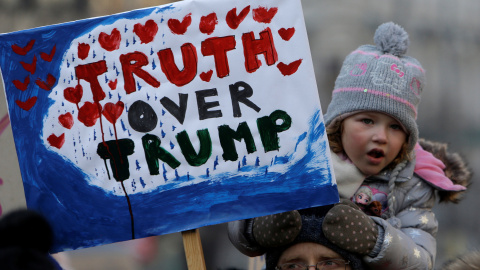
(407, 225)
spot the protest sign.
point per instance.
(167, 119)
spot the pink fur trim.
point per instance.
(431, 170)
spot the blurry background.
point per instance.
(445, 38)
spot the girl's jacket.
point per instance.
(407, 225)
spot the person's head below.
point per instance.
(371, 119)
(25, 239)
(305, 255)
(308, 248)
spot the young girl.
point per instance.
(373, 135)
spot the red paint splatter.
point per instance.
(113, 111)
(207, 23)
(66, 120)
(56, 141)
(30, 67)
(88, 114)
(28, 104)
(110, 42)
(233, 20)
(49, 56)
(73, 94)
(112, 84)
(23, 50)
(48, 85)
(83, 50)
(289, 69)
(146, 32)
(178, 27)
(262, 15)
(206, 76)
(286, 34)
(22, 85)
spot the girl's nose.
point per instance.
(380, 135)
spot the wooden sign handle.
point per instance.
(193, 250)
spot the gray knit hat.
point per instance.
(380, 78)
(311, 231)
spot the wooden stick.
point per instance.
(193, 250)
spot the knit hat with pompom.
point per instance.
(380, 78)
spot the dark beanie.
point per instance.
(311, 231)
(25, 238)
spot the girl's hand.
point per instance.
(346, 226)
(277, 230)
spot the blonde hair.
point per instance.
(334, 134)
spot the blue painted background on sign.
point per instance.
(84, 215)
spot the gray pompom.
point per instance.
(391, 38)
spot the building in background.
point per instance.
(445, 38)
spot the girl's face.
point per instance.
(372, 140)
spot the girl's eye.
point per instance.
(396, 127)
(367, 121)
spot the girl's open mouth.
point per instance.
(376, 153)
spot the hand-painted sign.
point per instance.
(166, 119)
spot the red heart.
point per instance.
(49, 56)
(290, 68)
(113, 111)
(233, 20)
(286, 34)
(56, 141)
(146, 32)
(206, 76)
(74, 95)
(22, 85)
(178, 27)
(89, 113)
(262, 15)
(23, 50)
(30, 67)
(112, 84)
(28, 104)
(83, 50)
(110, 42)
(66, 120)
(207, 23)
(48, 85)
